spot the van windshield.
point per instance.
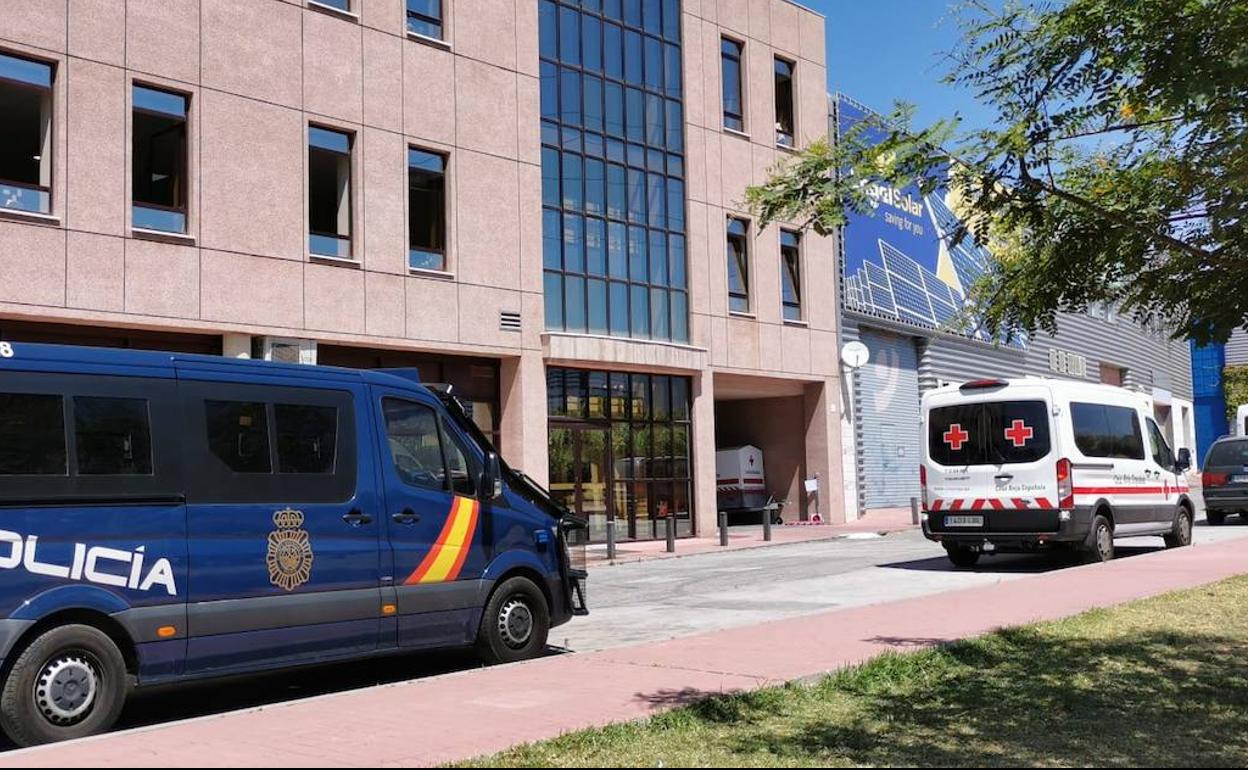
(992, 433)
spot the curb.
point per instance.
(663, 556)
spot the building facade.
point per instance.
(537, 201)
(904, 280)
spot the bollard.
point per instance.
(671, 533)
(914, 510)
(610, 539)
(723, 528)
(768, 512)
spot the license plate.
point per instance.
(964, 521)
(1239, 478)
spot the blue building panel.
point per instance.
(1209, 396)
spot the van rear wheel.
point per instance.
(1100, 544)
(69, 682)
(515, 623)
(1215, 518)
(963, 558)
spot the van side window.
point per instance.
(412, 434)
(306, 438)
(1161, 449)
(460, 469)
(258, 443)
(112, 436)
(1107, 431)
(238, 434)
(32, 435)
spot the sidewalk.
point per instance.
(476, 712)
(881, 521)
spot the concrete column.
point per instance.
(234, 345)
(823, 450)
(523, 420)
(703, 445)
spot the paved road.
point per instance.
(653, 601)
(663, 599)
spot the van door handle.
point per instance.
(408, 516)
(1004, 476)
(355, 517)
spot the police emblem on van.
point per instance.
(290, 551)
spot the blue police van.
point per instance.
(166, 518)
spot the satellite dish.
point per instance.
(855, 354)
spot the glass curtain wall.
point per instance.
(613, 168)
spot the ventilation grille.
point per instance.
(509, 321)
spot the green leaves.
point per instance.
(1116, 170)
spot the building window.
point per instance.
(424, 17)
(338, 5)
(25, 134)
(329, 192)
(1112, 375)
(613, 181)
(619, 450)
(159, 160)
(734, 100)
(784, 103)
(738, 255)
(426, 204)
(791, 275)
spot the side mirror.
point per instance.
(492, 477)
(1184, 460)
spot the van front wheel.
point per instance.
(69, 682)
(515, 623)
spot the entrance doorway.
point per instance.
(580, 472)
(619, 450)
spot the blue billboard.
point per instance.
(899, 261)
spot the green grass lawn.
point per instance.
(1157, 682)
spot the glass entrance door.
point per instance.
(580, 467)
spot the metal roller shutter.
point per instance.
(887, 409)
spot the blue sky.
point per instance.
(880, 51)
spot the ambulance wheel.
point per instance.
(1181, 534)
(69, 682)
(962, 558)
(1100, 544)
(515, 623)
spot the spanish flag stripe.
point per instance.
(473, 508)
(431, 558)
(444, 559)
(454, 545)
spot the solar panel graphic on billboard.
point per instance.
(900, 260)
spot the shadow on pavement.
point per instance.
(662, 700)
(912, 642)
(1014, 564)
(185, 701)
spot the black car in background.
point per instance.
(1225, 479)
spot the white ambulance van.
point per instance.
(1014, 466)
